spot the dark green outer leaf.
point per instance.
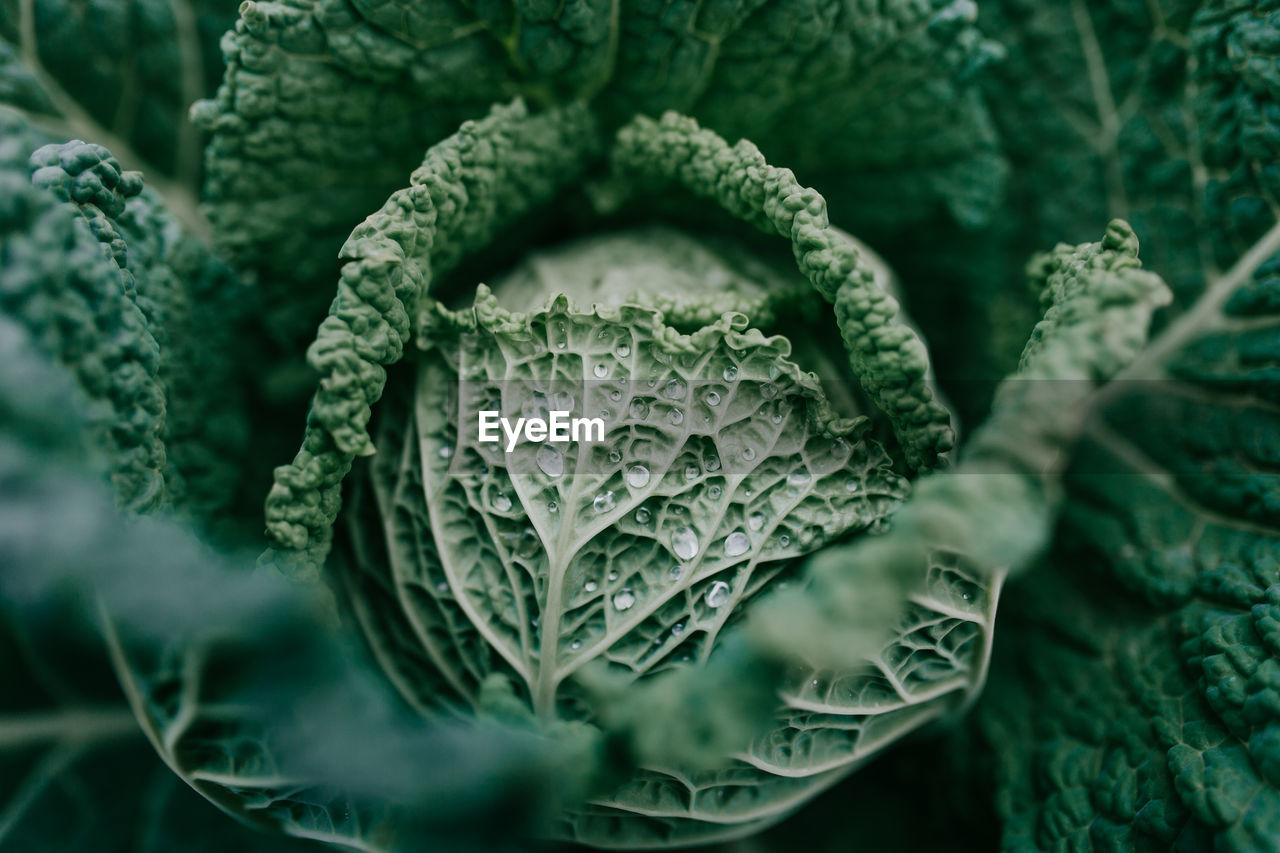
(327, 103)
(1142, 667)
(121, 75)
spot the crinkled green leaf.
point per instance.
(885, 354)
(465, 191)
(327, 103)
(469, 561)
(1147, 644)
(113, 287)
(247, 695)
(121, 75)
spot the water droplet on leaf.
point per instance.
(550, 460)
(684, 542)
(604, 502)
(637, 476)
(736, 544)
(623, 599)
(717, 594)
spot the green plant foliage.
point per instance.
(897, 524)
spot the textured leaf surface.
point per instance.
(884, 353)
(637, 551)
(326, 104)
(244, 692)
(113, 287)
(1150, 636)
(466, 189)
(121, 75)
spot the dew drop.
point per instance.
(714, 492)
(615, 457)
(637, 476)
(717, 594)
(550, 460)
(500, 502)
(777, 416)
(676, 572)
(736, 544)
(604, 502)
(677, 629)
(445, 451)
(730, 373)
(552, 506)
(575, 645)
(612, 576)
(615, 395)
(639, 409)
(442, 587)
(623, 599)
(623, 351)
(606, 414)
(590, 586)
(684, 542)
(712, 398)
(691, 472)
(784, 540)
(768, 390)
(642, 515)
(601, 371)
(676, 417)
(676, 389)
(756, 520)
(798, 477)
(851, 485)
(712, 463)
(965, 596)
(748, 453)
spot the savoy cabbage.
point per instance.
(904, 453)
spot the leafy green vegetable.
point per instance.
(809, 472)
(326, 105)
